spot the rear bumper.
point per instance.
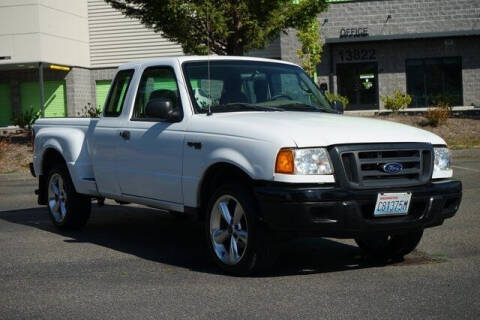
(344, 213)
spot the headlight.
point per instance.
(314, 161)
(442, 163)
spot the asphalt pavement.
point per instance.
(132, 262)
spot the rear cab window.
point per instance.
(117, 94)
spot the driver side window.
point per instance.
(156, 82)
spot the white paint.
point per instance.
(51, 31)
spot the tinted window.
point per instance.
(157, 82)
(118, 92)
(437, 79)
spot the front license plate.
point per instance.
(392, 204)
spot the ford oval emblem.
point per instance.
(392, 168)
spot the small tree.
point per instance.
(225, 27)
(25, 119)
(331, 97)
(310, 53)
(396, 102)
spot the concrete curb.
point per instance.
(467, 153)
(16, 177)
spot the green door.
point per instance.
(54, 98)
(5, 105)
(102, 91)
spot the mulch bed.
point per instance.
(459, 133)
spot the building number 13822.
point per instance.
(357, 54)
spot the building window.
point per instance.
(430, 80)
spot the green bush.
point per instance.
(25, 119)
(396, 102)
(90, 111)
(332, 97)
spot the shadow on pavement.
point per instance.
(163, 238)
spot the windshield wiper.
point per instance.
(297, 106)
(234, 106)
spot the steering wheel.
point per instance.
(278, 96)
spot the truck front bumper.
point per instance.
(344, 213)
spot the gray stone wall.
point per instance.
(471, 71)
(406, 16)
(79, 91)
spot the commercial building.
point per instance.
(427, 48)
(64, 53)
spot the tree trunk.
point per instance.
(235, 49)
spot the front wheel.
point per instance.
(237, 241)
(67, 208)
(390, 246)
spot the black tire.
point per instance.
(259, 254)
(386, 247)
(77, 206)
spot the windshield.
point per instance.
(235, 85)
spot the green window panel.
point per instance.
(5, 105)
(55, 105)
(102, 91)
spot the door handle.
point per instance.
(195, 145)
(125, 134)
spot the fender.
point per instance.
(255, 167)
(71, 144)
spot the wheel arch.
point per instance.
(50, 157)
(217, 174)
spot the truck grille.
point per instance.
(363, 166)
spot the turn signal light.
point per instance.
(284, 162)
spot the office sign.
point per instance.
(356, 32)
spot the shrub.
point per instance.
(396, 102)
(25, 119)
(332, 97)
(437, 116)
(444, 100)
(90, 111)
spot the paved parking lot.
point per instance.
(131, 262)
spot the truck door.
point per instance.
(103, 141)
(149, 157)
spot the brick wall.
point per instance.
(407, 16)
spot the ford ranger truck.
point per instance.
(254, 149)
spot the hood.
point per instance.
(308, 129)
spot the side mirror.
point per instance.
(162, 108)
(338, 106)
(323, 87)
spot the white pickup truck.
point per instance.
(254, 149)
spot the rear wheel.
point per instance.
(237, 241)
(67, 208)
(390, 246)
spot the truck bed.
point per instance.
(69, 137)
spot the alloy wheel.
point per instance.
(228, 230)
(57, 197)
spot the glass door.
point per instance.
(359, 83)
